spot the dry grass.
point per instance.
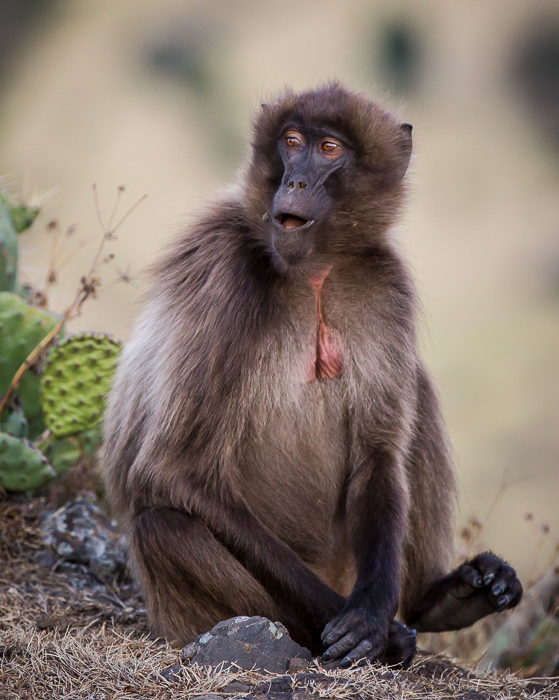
(59, 641)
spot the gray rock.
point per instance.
(246, 642)
(172, 673)
(297, 665)
(45, 558)
(276, 686)
(236, 688)
(80, 533)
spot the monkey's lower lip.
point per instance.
(290, 221)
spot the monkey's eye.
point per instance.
(329, 146)
(293, 141)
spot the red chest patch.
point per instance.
(326, 362)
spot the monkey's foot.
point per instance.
(484, 585)
(401, 647)
(355, 635)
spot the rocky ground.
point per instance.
(72, 625)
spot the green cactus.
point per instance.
(16, 424)
(22, 465)
(22, 217)
(22, 327)
(75, 381)
(13, 220)
(64, 452)
(8, 250)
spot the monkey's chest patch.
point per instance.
(326, 361)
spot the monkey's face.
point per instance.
(316, 165)
(326, 176)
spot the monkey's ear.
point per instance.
(405, 148)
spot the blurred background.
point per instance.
(157, 96)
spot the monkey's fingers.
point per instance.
(362, 651)
(354, 634)
(503, 588)
(336, 628)
(468, 579)
(399, 651)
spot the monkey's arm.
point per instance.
(477, 588)
(273, 564)
(377, 508)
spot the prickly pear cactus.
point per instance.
(8, 250)
(13, 220)
(16, 424)
(76, 380)
(22, 217)
(22, 466)
(22, 327)
(62, 453)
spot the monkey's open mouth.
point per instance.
(290, 221)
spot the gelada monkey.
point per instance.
(273, 441)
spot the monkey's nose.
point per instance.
(300, 185)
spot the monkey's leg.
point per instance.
(484, 585)
(192, 581)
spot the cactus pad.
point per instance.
(76, 380)
(22, 217)
(13, 220)
(16, 424)
(22, 327)
(64, 452)
(8, 250)
(22, 465)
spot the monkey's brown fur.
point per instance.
(245, 488)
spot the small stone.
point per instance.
(80, 533)
(171, 673)
(276, 686)
(236, 687)
(58, 623)
(297, 664)
(47, 559)
(189, 651)
(247, 643)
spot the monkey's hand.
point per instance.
(484, 585)
(355, 633)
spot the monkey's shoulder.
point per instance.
(212, 254)
(376, 287)
(211, 284)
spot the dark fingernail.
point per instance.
(326, 656)
(479, 582)
(488, 579)
(414, 633)
(345, 663)
(503, 601)
(498, 589)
